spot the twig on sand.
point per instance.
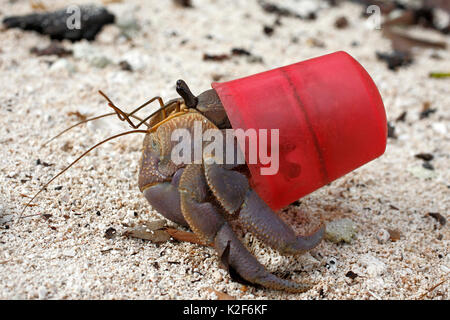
(432, 289)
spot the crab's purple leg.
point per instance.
(246, 265)
(267, 225)
(254, 213)
(208, 223)
(165, 198)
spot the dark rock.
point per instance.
(428, 166)
(395, 59)
(125, 65)
(240, 52)
(268, 30)
(351, 275)
(55, 24)
(110, 233)
(341, 23)
(424, 156)
(426, 113)
(183, 3)
(391, 131)
(215, 57)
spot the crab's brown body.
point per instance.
(206, 196)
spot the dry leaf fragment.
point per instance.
(439, 75)
(440, 218)
(394, 235)
(156, 236)
(184, 236)
(111, 1)
(77, 114)
(38, 5)
(221, 295)
(404, 43)
(52, 49)
(155, 224)
(152, 231)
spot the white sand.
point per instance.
(68, 257)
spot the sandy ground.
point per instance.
(67, 256)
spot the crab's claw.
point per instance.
(208, 222)
(232, 190)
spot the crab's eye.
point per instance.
(155, 145)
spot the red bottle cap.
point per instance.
(330, 117)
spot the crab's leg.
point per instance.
(266, 224)
(165, 199)
(254, 213)
(207, 222)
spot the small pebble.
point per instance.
(124, 65)
(5, 218)
(131, 214)
(42, 293)
(331, 264)
(374, 266)
(422, 173)
(135, 60)
(100, 62)
(128, 24)
(69, 252)
(217, 276)
(383, 236)
(341, 230)
(83, 50)
(63, 64)
(268, 30)
(427, 166)
(439, 127)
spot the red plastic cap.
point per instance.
(330, 117)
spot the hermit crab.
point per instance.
(208, 194)
(331, 119)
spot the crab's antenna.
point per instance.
(126, 117)
(76, 125)
(82, 122)
(169, 104)
(75, 161)
(122, 116)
